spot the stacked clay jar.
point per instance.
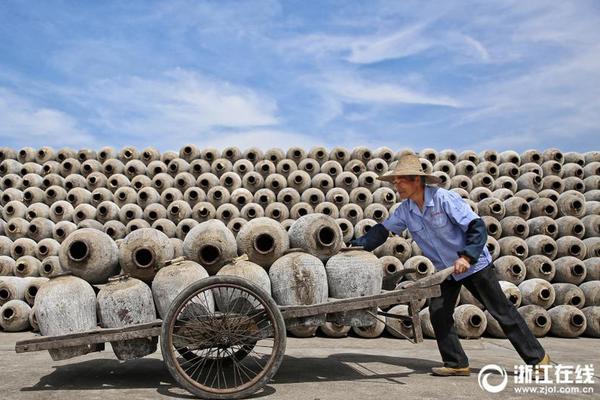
(101, 213)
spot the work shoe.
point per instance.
(445, 371)
(545, 361)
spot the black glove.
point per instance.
(375, 237)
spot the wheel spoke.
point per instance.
(225, 338)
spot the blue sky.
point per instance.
(403, 74)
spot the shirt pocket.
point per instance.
(439, 220)
(415, 227)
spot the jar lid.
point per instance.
(346, 249)
(173, 261)
(120, 277)
(243, 257)
(294, 250)
(61, 273)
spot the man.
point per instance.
(449, 233)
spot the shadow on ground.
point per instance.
(146, 373)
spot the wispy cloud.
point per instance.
(565, 23)
(361, 49)
(373, 48)
(178, 103)
(25, 123)
(441, 74)
(397, 45)
(177, 107)
(473, 46)
(556, 99)
(352, 89)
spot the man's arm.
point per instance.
(476, 238)
(375, 237)
(378, 234)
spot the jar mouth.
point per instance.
(209, 254)
(399, 249)
(326, 236)
(5, 294)
(541, 321)
(32, 291)
(578, 320)
(546, 268)
(8, 314)
(578, 269)
(391, 268)
(475, 320)
(422, 268)
(47, 268)
(144, 257)
(79, 250)
(516, 269)
(574, 250)
(545, 294)
(264, 243)
(549, 249)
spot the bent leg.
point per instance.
(441, 310)
(485, 287)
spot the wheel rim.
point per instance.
(221, 339)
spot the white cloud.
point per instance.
(180, 103)
(474, 44)
(400, 44)
(356, 90)
(564, 23)
(374, 48)
(361, 49)
(25, 123)
(557, 99)
(329, 109)
(514, 70)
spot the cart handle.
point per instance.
(432, 280)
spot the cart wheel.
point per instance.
(239, 354)
(223, 338)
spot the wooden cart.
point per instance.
(235, 351)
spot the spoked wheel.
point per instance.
(223, 338)
(239, 354)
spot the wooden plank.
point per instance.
(436, 279)
(100, 335)
(359, 303)
(413, 310)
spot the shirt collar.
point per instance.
(428, 193)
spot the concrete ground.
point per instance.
(315, 368)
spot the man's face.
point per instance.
(406, 186)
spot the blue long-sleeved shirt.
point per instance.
(440, 229)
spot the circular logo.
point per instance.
(484, 374)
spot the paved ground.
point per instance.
(316, 368)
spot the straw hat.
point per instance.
(409, 165)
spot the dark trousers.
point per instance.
(485, 287)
